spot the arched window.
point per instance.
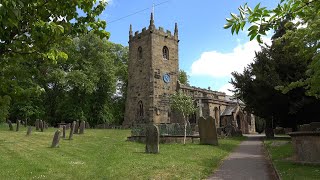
(140, 108)
(165, 53)
(139, 52)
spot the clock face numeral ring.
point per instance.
(166, 78)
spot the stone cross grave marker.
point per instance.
(152, 139)
(56, 139)
(208, 131)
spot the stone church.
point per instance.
(153, 71)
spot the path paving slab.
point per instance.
(247, 162)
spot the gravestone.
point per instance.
(29, 130)
(152, 139)
(64, 131)
(82, 127)
(18, 125)
(87, 125)
(37, 124)
(45, 125)
(72, 130)
(208, 131)
(68, 126)
(76, 129)
(56, 139)
(10, 125)
(41, 125)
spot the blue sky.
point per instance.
(207, 52)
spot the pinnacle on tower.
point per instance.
(176, 29)
(151, 26)
(130, 31)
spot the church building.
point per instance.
(153, 71)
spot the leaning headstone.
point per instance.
(26, 123)
(41, 125)
(37, 124)
(56, 139)
(152, 139)
(18, 125)
(82, 127)
(208, 131)
(72, 130)
(29, 130)
(10, 125)
(64, 131)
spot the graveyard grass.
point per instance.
(281, 152)
(103, 154)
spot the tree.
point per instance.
(183, 77)
(183, 104)
(31, 34)
(306, 37)
(277, 65)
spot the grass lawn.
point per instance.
(281, 152)
(103, 154)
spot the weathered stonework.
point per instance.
(153, 71)
(148, 92)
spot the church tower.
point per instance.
(153, 70)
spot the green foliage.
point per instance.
(281, 155)
(258, 86)
(104, 154)
(182, 103)
(4, 108)
(183, 77)
(37, 26)
(260, 124)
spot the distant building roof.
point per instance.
(233, 99)
(229, 110)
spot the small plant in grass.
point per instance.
(183, 104)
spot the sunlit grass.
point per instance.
(103, 154)
(281, 153)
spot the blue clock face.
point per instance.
(166, 78)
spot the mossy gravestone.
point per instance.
(26, 123)
(72, 130)
(152, 139)
(56, 139)
(10, 125)
(87, 125)
(208, 131)
(29, 130)
(18, 125)
(82, 127)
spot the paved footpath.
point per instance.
(247, 162)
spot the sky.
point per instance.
(207, 52)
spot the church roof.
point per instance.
(229, 110)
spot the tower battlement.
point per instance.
(152, 29)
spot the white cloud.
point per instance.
(225, 88)
(217, 64)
